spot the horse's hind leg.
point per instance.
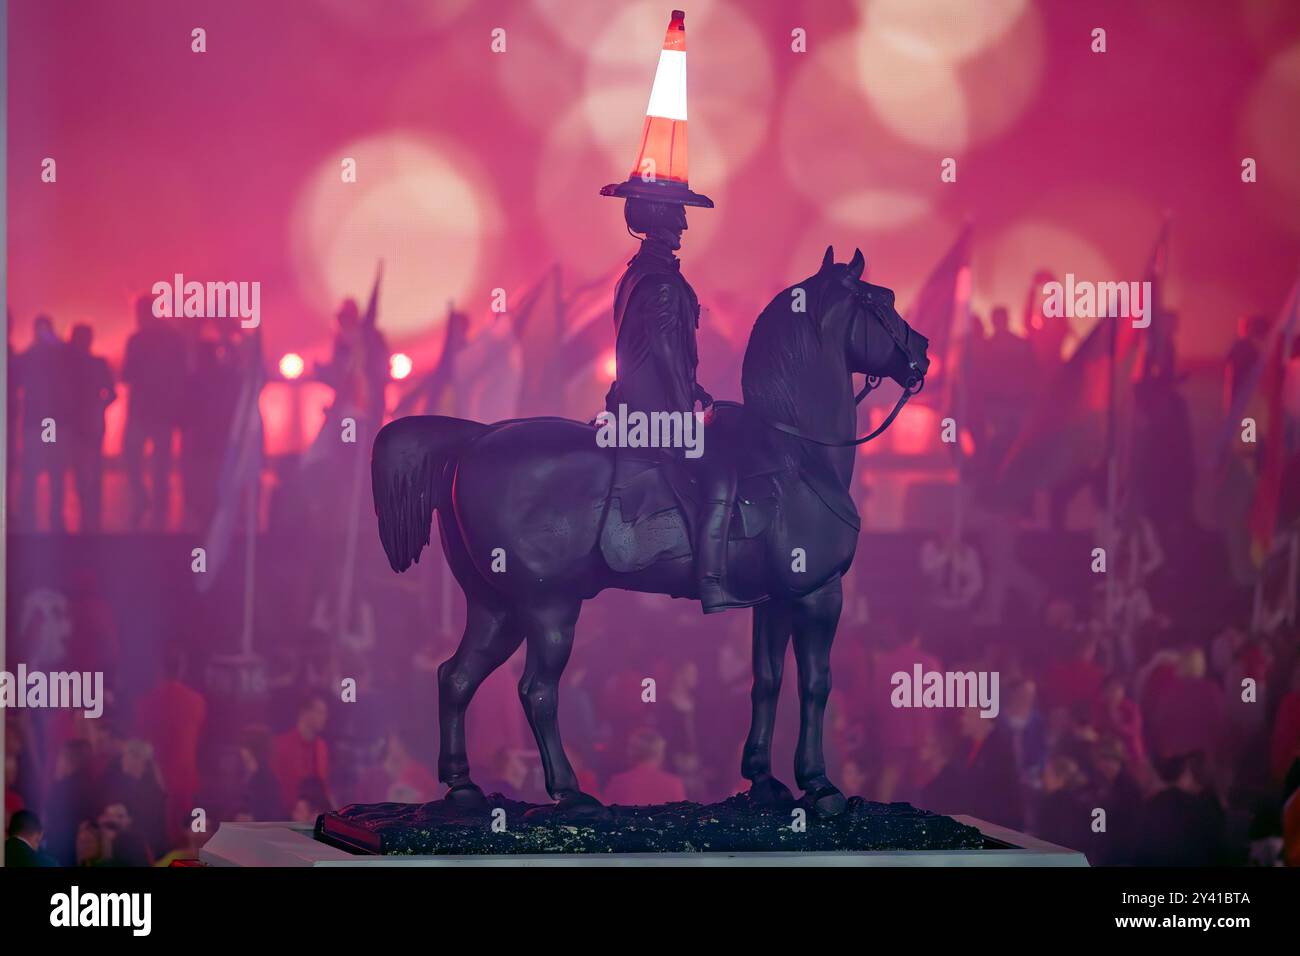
(772, 622)
(490, 638)
(549, 630)
(816, 617)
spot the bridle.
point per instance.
(915, 379)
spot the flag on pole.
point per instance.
(1250, 388)
(241, 466)
(1159, 356)
(941, 311)
(1272, 373)
(1071, 430)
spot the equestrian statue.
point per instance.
(536, 516)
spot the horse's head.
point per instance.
(877, 340)
(811, 338)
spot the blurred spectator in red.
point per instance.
(1075, 680)
(299, 754)
(646, 782)
(1115, 715)
(1186, 717)
(171, 717)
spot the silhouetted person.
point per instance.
(1005, 368)
(1182, 825)
(41, 374)
(205, 428)
(980, 776)
(1062, 813)
(1046, 334)
(133, 782)
(358, 369)
(1244, 355)
(1119, 793)
(261, 790)
(155, 370)
(71, 799)
(90, 392)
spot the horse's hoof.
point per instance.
(826, 801)
(767, 791)
(571, 806)
(467, 796)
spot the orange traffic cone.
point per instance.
(660, 171)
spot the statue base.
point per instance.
(731, 833)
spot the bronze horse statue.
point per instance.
(523, 508)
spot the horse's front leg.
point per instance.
(772, 622)
(816, 617)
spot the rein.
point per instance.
(912, 389)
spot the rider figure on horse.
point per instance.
(656, 315)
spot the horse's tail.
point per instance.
(408, 473)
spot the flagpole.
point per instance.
(252, 500)
(444, 566)
(350, 546)
(1111, 535)
(360, 457)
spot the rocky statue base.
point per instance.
(735, 832)
(735, 825)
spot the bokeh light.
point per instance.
(399, 366)
(291, 365)
(416, 207)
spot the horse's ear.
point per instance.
(857, 264)
(828, 260)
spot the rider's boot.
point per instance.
(711, 545)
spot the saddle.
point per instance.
(654, 500)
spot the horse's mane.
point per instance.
(784, 344)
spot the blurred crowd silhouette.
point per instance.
(1123, 728)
